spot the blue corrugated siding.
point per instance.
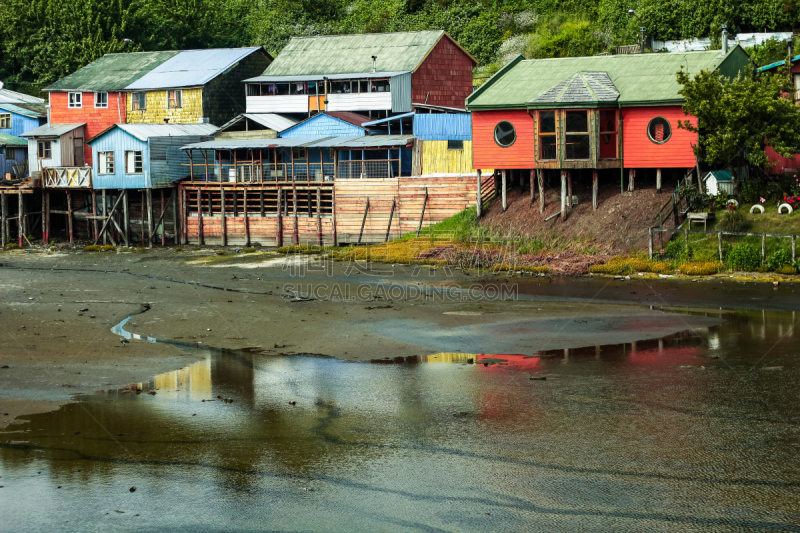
(323, 126)
(20, 154)
(443, 126)
(119, 142)
(20, 124)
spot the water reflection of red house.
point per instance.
(506, 362)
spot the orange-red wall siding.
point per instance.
(445, 77)
(488, 154)
(640, 152)
(96, 119)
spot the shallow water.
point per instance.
(616, 438)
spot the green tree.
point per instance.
(738, 118)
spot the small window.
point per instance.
(381, 86)
(253, 89)
(133, 162)
(577, 144)
(283, 89)
(11, 154)
(297, 87)
(101, 100)
(174, 99)
(548, 140)
(5, 121)
(332, 153)
(659, 130)
(138, 101)
(363, 86)
(455, 145)
(75, 100)
(105, 162)
(504, 134)
(298, 152)
(44, 150)
(338, 87)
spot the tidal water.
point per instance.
(695, 431)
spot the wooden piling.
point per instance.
(94, 213)
(105, 214)
(595, 187)
(149, 218)
(126, 218)
(20, 219)
(246, 221)
(163, 208)
(563, 195)
(569, 191)
(631, 176)
(175, 218)
(503, 192)
(141, 215)
(200, 237)
(4, 220)
(224, 222)
(533, 186)
(479, 199)
(540, 176)
(295, 231)
(279, 230)
(69, 217)
(46, 216)
(319, 216)
(658, 181)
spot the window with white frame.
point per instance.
(44, 150)
(133, 162)
(138, 101)
(101, 100)
(75, 100)
(5, 121)
(105, 162)
(174, 99)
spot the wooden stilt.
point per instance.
(533, 186)
(569, 191)
(319, 213)
(224, 218)
(126, 218)
(20, 219)
(295, 231)
(540, 176)
(658, 181)
(503, 192)
(141, 217)
(69, 217)
(200, 237)
(631, 176)
(595, 186)
(563, 195)
(46, 216)
(279, 230)
(149, 193)
(261, 201)
(424, 205)
(175, 218)
(364, 221)
(246, 221)
(4, 220)
(163, 209)
(391, 215)
(184, 216)
(333, 210)
(105, 209)
(479, 196)
(94, 213)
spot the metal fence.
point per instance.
(258, 172)
(372, 168)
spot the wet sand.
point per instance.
(56, 314)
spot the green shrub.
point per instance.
(11, 246)
(788, 269)
(705, 268)
(779, 259)
(249, 251)
(751, 190)
(108, 248)
(678, 250)
(197, 248)
(744, 257)
(735, 221)
(92, 248)
(178, 249)
(220, 252)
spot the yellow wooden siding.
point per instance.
(437, 159)
(156, 112)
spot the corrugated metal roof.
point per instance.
(640, 78)
(342, 54)
(777, 64)
(28, 110)
(191, 68)
(52, 130)
(356, 143)
(388, 119)
(145, 131)
(443, 126)
(319, 77)
(112, 72)
(13, 97)
(272, 120)
(11, 140)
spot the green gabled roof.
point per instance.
(641, 79)
(112, 72)
(350, 54)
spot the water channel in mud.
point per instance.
(698, 430)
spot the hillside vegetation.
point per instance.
(43, 40)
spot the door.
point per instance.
(77, 151)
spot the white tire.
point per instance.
(757, 207)
(788, 209)
(733, 203)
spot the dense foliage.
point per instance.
(43, 40)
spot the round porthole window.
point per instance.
(659, 130)
(504, 134)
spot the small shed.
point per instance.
(13, 151)
(718, 181)
(141, 156)
(55, 145)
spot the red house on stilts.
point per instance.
(602, 113)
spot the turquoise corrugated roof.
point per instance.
(11, 140)
(641, 79)
(347, 54)
(777, 64)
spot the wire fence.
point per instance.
(720, 234)
(372, 168)
(258, 172)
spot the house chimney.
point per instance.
(374, 60)
(724, 39)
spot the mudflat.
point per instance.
(57, 312)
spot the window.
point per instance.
(608, 134)
(101, 100)
(283, 88)
(44, 150)
(75, 100)
(253, 89)
(174, 99)
(332, 153)
(138, 101)
(105, 162)
(5, 121)
(455, 145)
(363, 86)
(133, 162)
(381, 86)
(504, 134)
(548, 140)
(340, 86)
(11, 154)
(298, 152)
(297, 87)
(577, 138)
(659, 130)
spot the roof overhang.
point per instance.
(318, 77)
(371, 142)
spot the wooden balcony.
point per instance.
(67, 177)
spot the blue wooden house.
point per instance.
(16, 119)
(144, 156)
